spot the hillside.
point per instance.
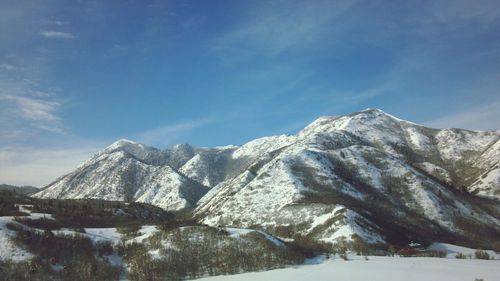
(367, 173)
(370, 174)
(19, 189)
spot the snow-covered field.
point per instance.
(379, 268)
(453, 250)
(8, 250)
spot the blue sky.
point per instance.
(77, 75)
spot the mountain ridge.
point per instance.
(319, 183)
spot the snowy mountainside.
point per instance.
(393, 179)
(172, 179)
(127, 171)
(367, 173)
(212, 166)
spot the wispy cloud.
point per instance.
(481, 117)
(56, 34)
(41, 113)
(35, 109)
(54, 22)
(38, 166)
(10, 67)
(167, 135)
(279, 27)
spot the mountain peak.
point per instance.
(130, 147)
(182, 146)
(376, 110)
(122, 142)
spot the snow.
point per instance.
(108, 176)
(236, 232)
(452, 250)
(436, 171)
(34, 216)
(123, 143)
(94, 234)
(263, 145)
(378, 269)
(453, 143)
(348, 226)
(267, 180)
(488, 184)
(103, 234)
(417, 139)
(251, 195)
(146, 231)
(110, 234)
(115, 259)
(372, 125)
(320, 220)
(262, 196)
(8, 249)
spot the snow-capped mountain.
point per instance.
(370, 174)
(127, 171)
(367, 173)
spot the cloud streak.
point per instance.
(482, 117)
(167, 135)
(54, 22)
(275, 28)
(37, 166)
(10, 67)
(41, 113)
(51, 34)
(35, 109)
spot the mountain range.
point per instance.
(368, 174)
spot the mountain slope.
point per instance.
(127, 171)
(367, 173)
(19, 189)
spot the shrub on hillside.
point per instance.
(309, 246)
(129, 230)
(104, 248)
(41, 223)
(191, 252)
(76, 253)
(482, 255)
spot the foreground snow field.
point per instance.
(380, 268)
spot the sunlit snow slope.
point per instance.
(367, 173)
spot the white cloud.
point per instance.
(275, 28)
(54, 22)
(56, 34)
(483, 117)
(41, 113)
(167, 135)
(38, 167)
(10, 67)
(35, 109)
